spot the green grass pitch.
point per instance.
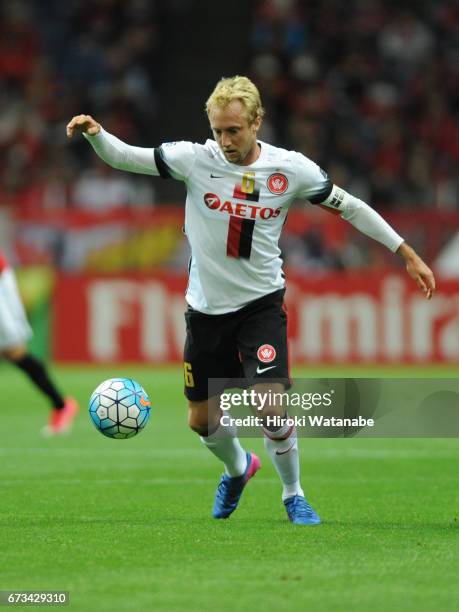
(126, 525)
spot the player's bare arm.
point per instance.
(418, 270)
(83, 123)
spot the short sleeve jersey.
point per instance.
(234, 217)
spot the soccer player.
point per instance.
(239, 190)
(14, 333)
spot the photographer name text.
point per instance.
(296, 421)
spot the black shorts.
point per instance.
(249, 344)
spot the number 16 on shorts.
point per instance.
(188, 374)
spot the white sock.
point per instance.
(223, 443)
(282, 447)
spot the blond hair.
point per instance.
(237, 88)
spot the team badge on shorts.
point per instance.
(277, 183)
(266, 353)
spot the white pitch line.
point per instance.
(166, 452)
(148, 481)
(199, 453)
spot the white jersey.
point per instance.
(14, 327)
(235, 214)
(234, 217)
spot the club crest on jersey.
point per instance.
(266, 353)
(277, 183)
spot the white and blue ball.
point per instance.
(119, 408)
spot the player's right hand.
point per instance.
(82, 123)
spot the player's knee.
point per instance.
(273, 399)
(197, 417)
(204, 417)
(274, 412)
(14, 353)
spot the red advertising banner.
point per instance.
(146, 240)
(334, 318)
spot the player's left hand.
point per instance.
(418, 270)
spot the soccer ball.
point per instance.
(119, 408)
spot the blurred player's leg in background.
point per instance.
(14, 333)
(63, 410)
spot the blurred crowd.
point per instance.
(367, 88)
(58, 59)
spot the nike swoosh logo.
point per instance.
(261, 370)
(286, 451)
(144, 402)
(215, 176)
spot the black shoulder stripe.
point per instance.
(323, 194)
(163, 168)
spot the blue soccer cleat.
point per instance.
(229, 489)
(300, 512)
